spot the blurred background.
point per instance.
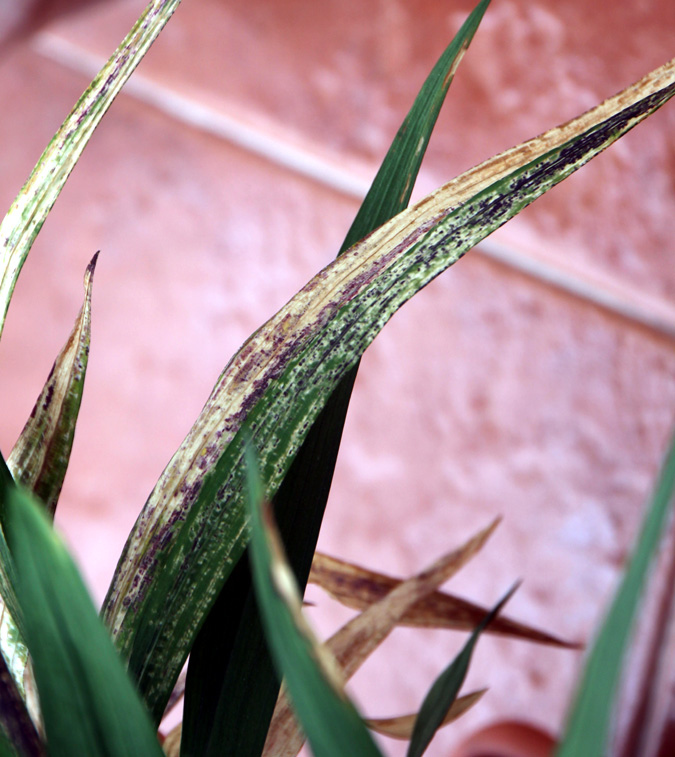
(535, 379)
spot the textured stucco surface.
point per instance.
(490, 393)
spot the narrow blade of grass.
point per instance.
(330, 720)
(193, 528)
(89, 705)
(25, 217)
(446, 687)
(587, 730)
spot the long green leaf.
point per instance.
(89, 705)
(230, 649)
(445, 688)
(194, 528)
(25, 217)
(588, 727)
(331, 723)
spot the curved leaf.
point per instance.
(29, 210)
(193, 528)
(39, 459)
(88, 703)
(332, 724)
(230, 648)
(358, 588)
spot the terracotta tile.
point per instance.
(337, 78)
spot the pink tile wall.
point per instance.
(492, 392)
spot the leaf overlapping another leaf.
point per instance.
(230, 648)
(193, 528)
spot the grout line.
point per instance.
(653, 313)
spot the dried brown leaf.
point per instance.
(358, 588)
(402, 726)
(359, 638)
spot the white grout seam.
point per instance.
(655, 314)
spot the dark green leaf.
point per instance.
(230, 648)
(89, 705)
(193, 528)
(330, 721)
(587, 731)
(446, 687)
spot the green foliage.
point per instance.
(88, 703)
(286, 391)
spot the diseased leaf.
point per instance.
(332, 724)
(24, 219)
(352, 644)
(193, 530)
(587, 730)
(40, 456)
(445, 688)
(89, 705)
(358, 588)
(230, 648)
(402, 727)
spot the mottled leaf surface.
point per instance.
(230, 648)
(29, 210)
(193, 529)
(39, 459)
